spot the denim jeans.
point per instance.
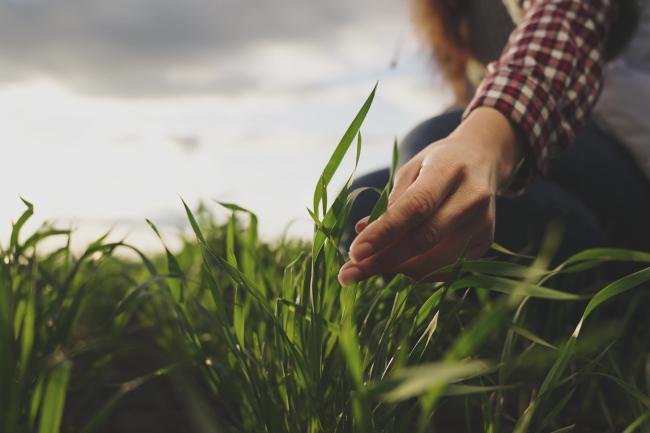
(594, 191)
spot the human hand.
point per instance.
(443, 201)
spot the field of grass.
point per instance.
(231, 334)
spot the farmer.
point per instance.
(555, 128)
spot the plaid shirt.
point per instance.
(549, 75)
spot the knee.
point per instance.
(427, 132)
(522, 222)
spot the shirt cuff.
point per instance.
(523, 99)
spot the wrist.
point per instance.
(495, 138)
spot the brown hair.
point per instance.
(444, 25)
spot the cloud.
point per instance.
(187, 143)
(154, 48)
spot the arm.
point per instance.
(549, 75)
(532, 102)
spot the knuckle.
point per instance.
(457, 167)
(420, 205)
(482, 197)
(385, 227)
(427, 238)
(478, 201)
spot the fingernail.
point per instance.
(350, 275)
(361, 251)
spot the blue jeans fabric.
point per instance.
(594, 190)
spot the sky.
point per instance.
(112, 110)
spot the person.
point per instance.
(502, 169)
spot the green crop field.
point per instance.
(231, 334)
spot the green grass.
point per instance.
(231, 334)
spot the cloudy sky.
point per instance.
(112, 109)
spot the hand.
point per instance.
(443, 201)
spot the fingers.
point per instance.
(460, 210)
(361, 224)
(417, 204)
(404, 177)
(456, 212)
(446, 252)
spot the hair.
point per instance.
(444, 25)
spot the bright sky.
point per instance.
(111, 110)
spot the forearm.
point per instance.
(549, 75)
(492, 134)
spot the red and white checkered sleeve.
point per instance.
(549, 75)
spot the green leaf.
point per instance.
(382, 203)
(457, 390)
(18, 225)
(503, 250)
(489, 322)
(568, 349)
(351, 350)
(40, 235)
(507, 286)
(36, 400)
(494, 267)
(531, 336)
(614, 289)
(566, 429)
(54, 398)
(608, 255)
(173, 267)
(27, 332)
(99, 419)
(340, 151)
(380, 207)
(193, 223)
(634, 426)
(415, 381)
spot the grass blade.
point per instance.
(54, 398)
(340, 151)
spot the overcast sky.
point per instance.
(111, 109)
